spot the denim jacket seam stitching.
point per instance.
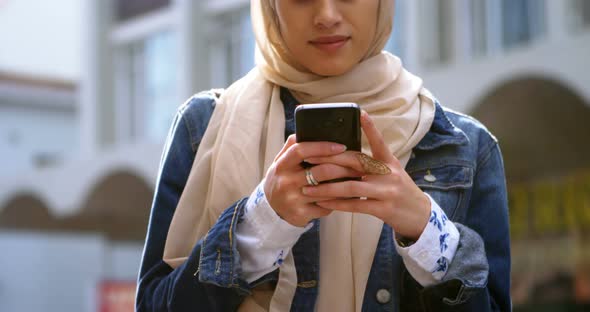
(183, 107)
(461, 298)
(471, 118)
(188, 126)
(452, 217)
(458, 298)
(482, 160)
(445, 185)
(203, 246)
(463, 134)
(207, 95)
(231, 248)
(441, 164)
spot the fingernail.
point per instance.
(338, 148)
(304, 190)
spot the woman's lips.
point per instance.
(330, 44)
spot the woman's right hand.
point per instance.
(286, 177)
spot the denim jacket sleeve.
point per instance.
(209, 279)
(479, 277)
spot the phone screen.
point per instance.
(333, 122)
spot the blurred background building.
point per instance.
(89, 88)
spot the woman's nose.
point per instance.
(327, 14)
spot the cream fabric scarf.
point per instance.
(246, 131)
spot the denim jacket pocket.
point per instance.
(447, 184)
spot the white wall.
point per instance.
(60, 272)
(564, 61)
(26, 133)
(41, 38)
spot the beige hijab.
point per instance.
(246, 131)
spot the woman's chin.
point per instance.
(328, 69)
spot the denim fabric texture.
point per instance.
(469, 185)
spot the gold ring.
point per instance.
(372, 165)
(310, 179)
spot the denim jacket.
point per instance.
(466, 178)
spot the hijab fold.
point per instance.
(246, 132)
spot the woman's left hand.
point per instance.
(393, 197)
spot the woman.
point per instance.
(238, 224)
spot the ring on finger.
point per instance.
(310, 179)
(372, 165)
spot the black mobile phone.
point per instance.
(331, 122)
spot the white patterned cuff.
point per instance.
(263, 239)
(428, 259)
(271, 230)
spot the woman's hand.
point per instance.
(393, 197)
(286, 178)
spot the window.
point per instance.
(435, 31)
(496, 25)
(581, 14)
(522, 20)
(585, 11)
(397, 41)
(160, 102)
(145, 87)
(128, 9)
(486, 27)
(479, 27)
(231, 47)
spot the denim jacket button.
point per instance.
(383, 296)
(429, 177)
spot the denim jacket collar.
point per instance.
(442, 132)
